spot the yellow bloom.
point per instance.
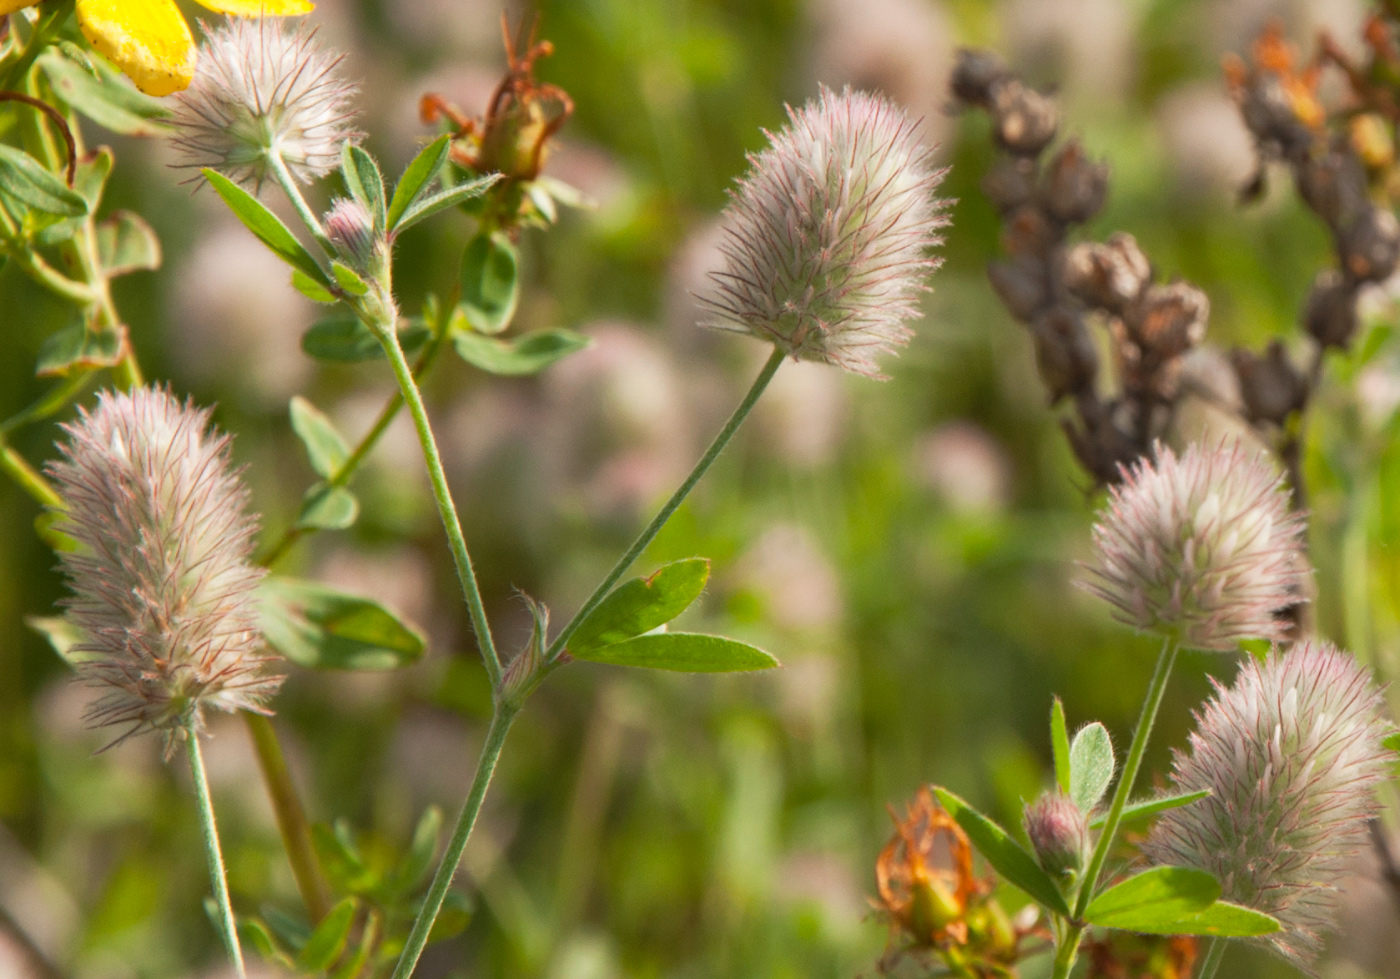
(149, 39)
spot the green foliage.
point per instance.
(1059, 746)
(1154, 900)
(325, 447)
(529, 353)
(25, 183)
(641, 605)
(265, 226)
(1091, 766)
(1006, 856)
(490, 281)
(364, 181)
(417, 177)
(320, 628)
(683, 652)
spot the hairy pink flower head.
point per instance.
(1058, 832)
(265, 90)
(1203, 547)
(1291, 753)
(827, 240)
(163, 589)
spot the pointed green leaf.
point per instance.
(341, 338)
(1090, 765)
(490, 279)
(311, 289)
(426, 207)
(1006, 856)
(364, 181)
(416, 178)
(24, 179)
(641, 605)
(684, 652)
(76, 347)
(1221, 920)
(265, 226)
(341, 860)
(127, 243)
(529, 353)
(104, 104)
(413, 871)
(324, 445)
(1059, 745)
(253, 932)
(327, 942)
(62, 635)
(1145, 808)
(1153, 899)
(326, 507)
(348, 279)
(321, 628)
(291, 930)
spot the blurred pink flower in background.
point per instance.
(965, 467)
(794, 580)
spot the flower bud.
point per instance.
(1169, 320)
(976, 74)
(1059, 833)
(1064, 351)
(1331, 316)
(1371, 246)
(1333, 185)
(1107, 276)
(1270, 386)
(350, 228)
(1021, 284)
(1025, 120)
(1028, 231)
(1010, 183)
(1075, 186)
(1270, 114)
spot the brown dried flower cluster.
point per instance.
(1058, 289)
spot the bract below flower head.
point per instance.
(163, 588)
(149, 40)
(1203, 547)
(262, 90)
(1291, 752)
(826, 246)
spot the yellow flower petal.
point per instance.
(147, 39)
(258, 8)
(10, 6)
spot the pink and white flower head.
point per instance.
(163, 588)
(1292, 753)
(827, 238)
(263, 89)
(1203, 547)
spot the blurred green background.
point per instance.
(906, 549)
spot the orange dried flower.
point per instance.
(1124, 955)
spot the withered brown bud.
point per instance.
(1169, 320)
(1026, 120)
(1010, 182)
(1027, 231)
(1064, 352)
(1269, 114)
(1331, 312)
(1333, 185)
(1100, 446)
(1107, 276)
(976, 74)
(1371, 246)
(1021, 284)
(1075, 186)
(1270, 386)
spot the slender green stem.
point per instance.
(28, 477)
(1067, 951)
(284, 179)
(408, 387)
(1215, 951)
(442, 880)
(49, 403)
(652, 529)
(291, 817)
(1150, 704)
(211, 851)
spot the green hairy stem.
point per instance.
(217, 877)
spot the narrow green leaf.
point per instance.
(321, 628)
(413, 871)
(324, 445)
(641, 605)
(426, 207)
(326, 507)
(1154, 899)
(453, 919)
(126, 243)
(364, 181)
(76, 347)
(98, 101)
(490, 280)
(349, 279)
(1006, 856)
(291, 930)
(417, 176)
(24, 179)
(529, 353)
(1221, 920)
(344, 867)
(265, 226)
(327, 942)
(253, 932)
(684, 652)
(1059, 745)
(1145, 808)
(312, 289)
(62, 635)
(1090, 765)
(341, 338)
(91, 174)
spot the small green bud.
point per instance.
(934, 907)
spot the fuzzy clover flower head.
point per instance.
(1291, 752)
(827, 237)
(262, 93)
(162, 585)
(149, 40)
(1203, 547)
